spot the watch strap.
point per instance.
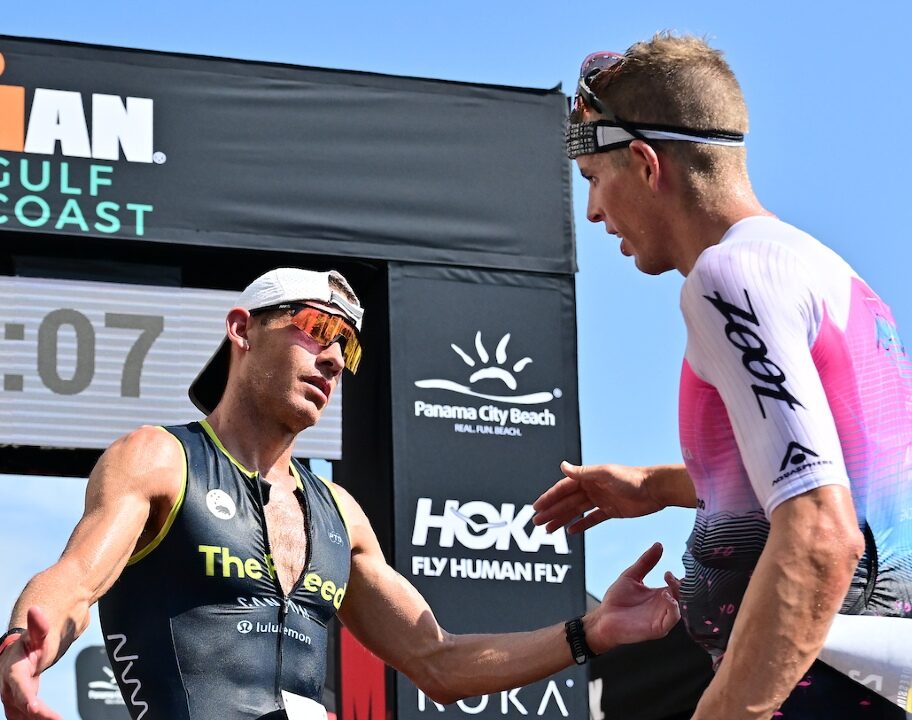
(576, 639)
(9, 637)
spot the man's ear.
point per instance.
(647, 162)
(237, 327)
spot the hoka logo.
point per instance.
(479, 526)
(510, 703)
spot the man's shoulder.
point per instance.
(757, 252)
(147, 437)
(149, 457)
(764, 228)
(764, 238)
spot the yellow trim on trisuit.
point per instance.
(249, 473)
(218, 443)
(297, 477)
(172, 516)
(338, 500)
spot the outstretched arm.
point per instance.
(127, 491)
(611, 491)
(386, 613)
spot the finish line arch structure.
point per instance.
(141, 191)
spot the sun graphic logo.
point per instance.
(503, 371)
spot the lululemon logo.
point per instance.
(244, 627)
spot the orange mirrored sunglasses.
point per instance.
(325, 328)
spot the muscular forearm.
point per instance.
(795, 591)
(60, 592)
(460, 666)
(670, 486)
(470, 665)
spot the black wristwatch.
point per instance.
(576, 639)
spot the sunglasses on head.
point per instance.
(325, 328)
(610, 132)
(593, 65)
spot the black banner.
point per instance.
(151, 146)
(485, 407)
(98, 697)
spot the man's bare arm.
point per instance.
(611, 491)
(796, 589)
(386, 613)
(127, 498)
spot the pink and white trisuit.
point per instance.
(794, 377)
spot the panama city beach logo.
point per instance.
(71, 195)
(493, 380)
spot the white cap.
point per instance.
(282, 285)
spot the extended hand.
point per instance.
(20, 666)
(610, 491)
(630, 611)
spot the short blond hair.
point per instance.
(682, 82)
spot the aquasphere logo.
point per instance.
(496, 374)
(52, 193)
(797, 459)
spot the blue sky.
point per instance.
(827, 86)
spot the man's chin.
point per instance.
(309, 415)
(300, 414)
(650, 268)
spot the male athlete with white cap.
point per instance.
(219, 559)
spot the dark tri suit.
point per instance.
(197, 626)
